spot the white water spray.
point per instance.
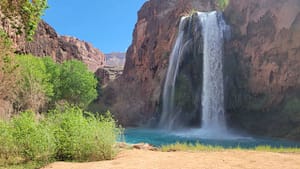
(213, 112)
(168, 113)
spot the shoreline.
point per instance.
(227, 159)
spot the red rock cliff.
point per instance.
(264, 88)
(261, 63)
(47, 42)
(147, 58)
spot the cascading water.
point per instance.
(168, 114)
(213, 113)
(212, 27)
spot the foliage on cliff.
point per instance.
(24, 14)
(222, 4)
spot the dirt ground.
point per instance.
(231, 159)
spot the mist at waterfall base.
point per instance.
(213, 129)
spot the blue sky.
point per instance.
(107, 24)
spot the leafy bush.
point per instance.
(7, 146)
(45, 82)
(35, 83)
(67, 133)
(72, 82)
(81, 136)
(32, 138)
(24, 139)
(78, 84)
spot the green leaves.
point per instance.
(35, 86)
(81, 136)
(46, 82)
(26, 138)
(29, 12)
(68, 133)
(78, 85)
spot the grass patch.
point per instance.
(268, 148)
(27, 165)
(190, 147)
(200, 147)
(67, 134)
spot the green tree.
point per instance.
(78, 84)
(45, 82)
(35, 85)
(53, 69)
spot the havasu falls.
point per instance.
(213, 112)
(193, 97)
(211, 27)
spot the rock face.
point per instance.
(114, 65)
(139, 88)
(47, 42)
(261, 64)
(73, 48)
(115, 59)
(103, 75)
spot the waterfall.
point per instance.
(213, 113)
(168, 112)
(212, 28)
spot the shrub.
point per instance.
(35, 85)
(81, 136)
(78, 84)
(25, 139)
(7, 147)
(67, 133)
(32, 138)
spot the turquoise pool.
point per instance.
(226, 139)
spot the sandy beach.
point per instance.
(229, 159)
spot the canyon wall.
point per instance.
(138, 91)
(46, 42)
(261, 64)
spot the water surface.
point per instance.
(163, 137)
